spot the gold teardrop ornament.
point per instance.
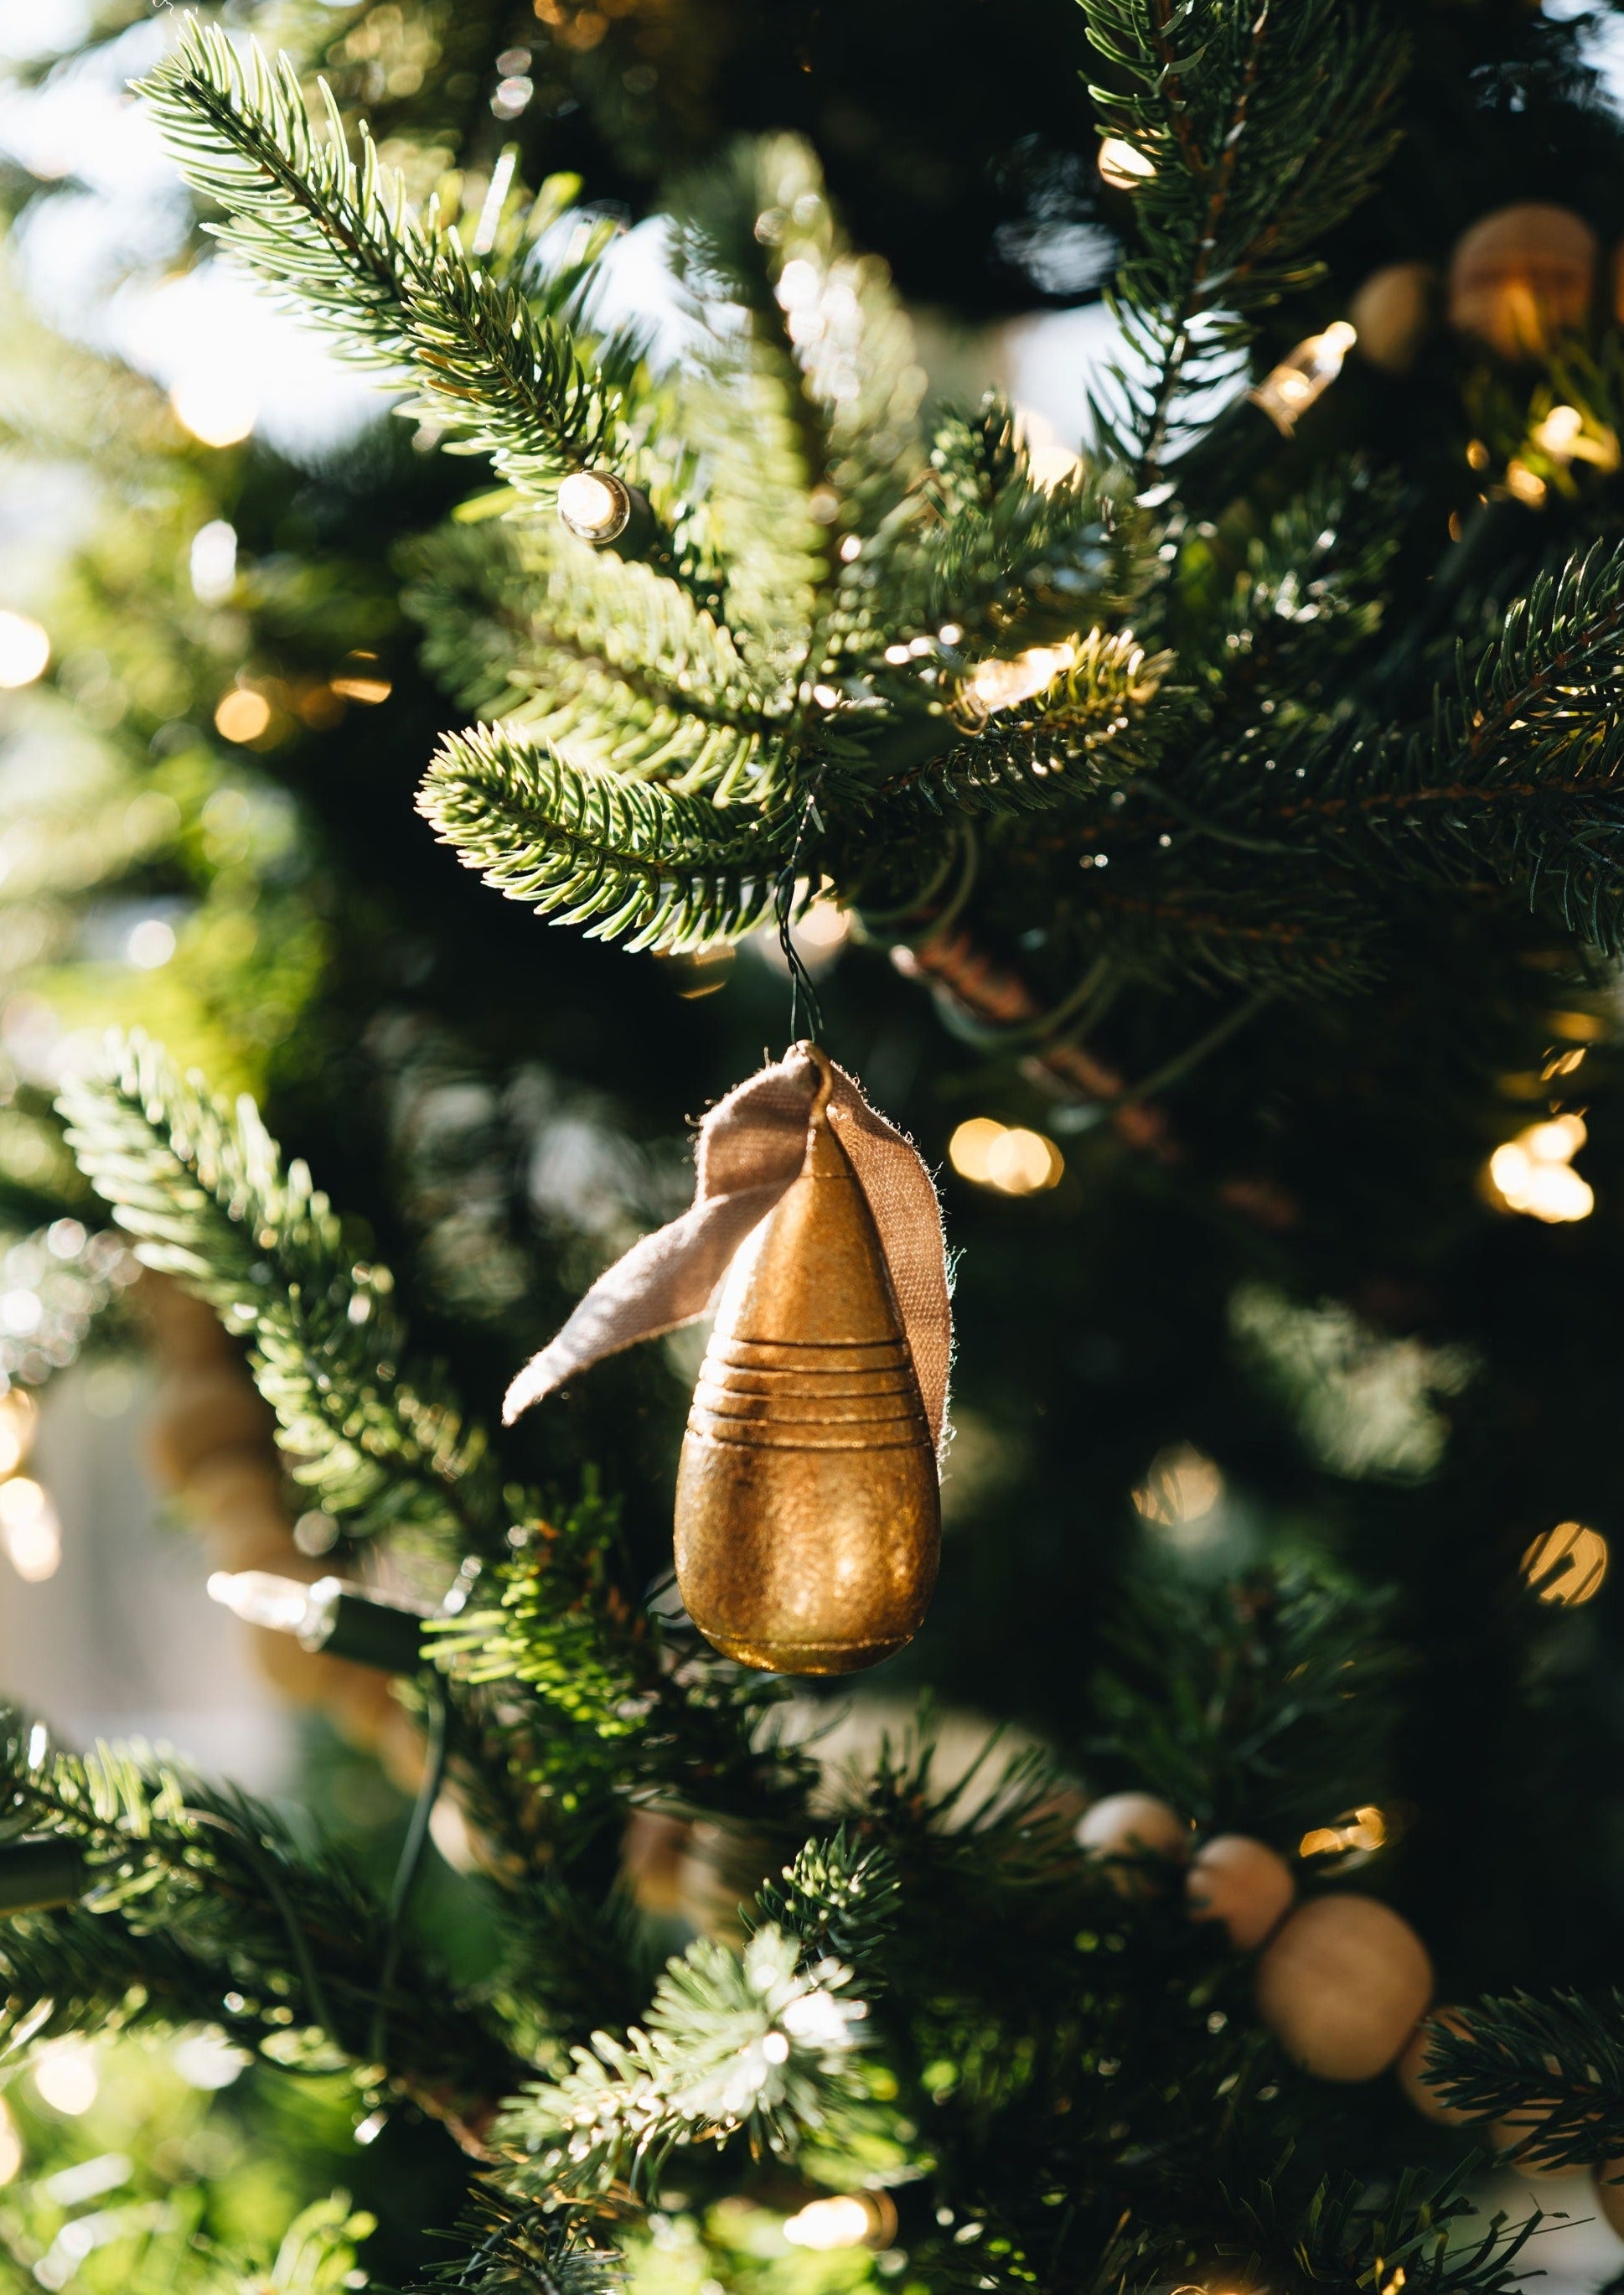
(808, 1514)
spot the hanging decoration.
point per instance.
(808, 1514)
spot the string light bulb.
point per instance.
(994, 685)
(343, 1620)
(1288, 391)
(595, 506)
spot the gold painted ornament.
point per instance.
(808, 1510)
(808, 1516)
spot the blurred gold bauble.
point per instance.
(1523, 277)
(1413, 2062)
(1342, 1986)
(808, 1517)
(1242, 1883)
(1393, 312)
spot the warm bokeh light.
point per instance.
(30, 1533)
(852, 2219)
(1532, 1173)
(17, 1415)
(207, 2060)
(65, 2077)
(1573, 1559)
(829, 2224)
(11, 2147)
(1527, 485)
(994, 685)
(360, 679)
(1290, 389)
(1121, 165)
(150, 944)
(1364, 1829)
(1049, 462)
(219, 409)
(242, 715)
(25, 650)
(1182, 1486)
(818, 935)
(213, 562)
(823, 928)
(1008, 1159)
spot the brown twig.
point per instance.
(952, 965)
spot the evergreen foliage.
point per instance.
(1215, 716)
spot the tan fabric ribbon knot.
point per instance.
(750, 1147)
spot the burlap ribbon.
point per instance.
(750, 1148)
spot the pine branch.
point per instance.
(835, 1898)
(1307, 2233)
(1555, 2067)
(629, 861)
(1091, 727)
(603, 660)
(1285, 1701)
(1260, 125)
(803, 412)
(380, 1440)
(1008, 561)
(515, 2247)
(758, 2042)
(1517, 779)
(201, 1907)
(626, 1703)
(560, 1626)
(502, 376)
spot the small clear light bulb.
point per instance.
(340, 1620)
(1292, 387)
(595, 506)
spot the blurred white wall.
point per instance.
(121, 1639)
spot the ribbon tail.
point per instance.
(665, 1280)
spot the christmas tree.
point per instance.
(1222, 824)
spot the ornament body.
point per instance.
(1393, 312)
(808, 1514)
(1342, 1986)
(1244, 1885)
(1523, 277)
(1131, 1825)
(1413, 2062)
